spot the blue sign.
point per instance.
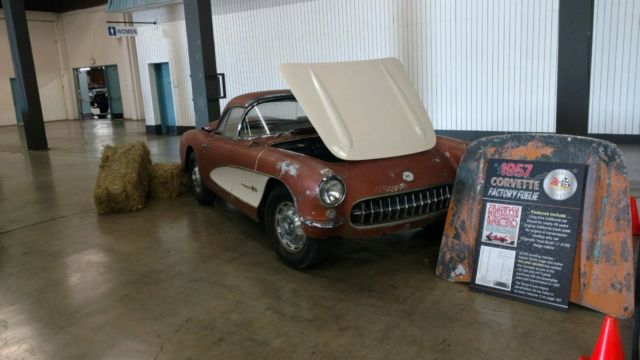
(112, 31)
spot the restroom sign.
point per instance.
(119, 31)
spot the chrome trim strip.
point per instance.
(405, 192)
(268, 98)
(323, 224)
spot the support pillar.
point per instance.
(202, 60)
(574, 66)
(25, 73)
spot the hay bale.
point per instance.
(123, 178)
(167, 181)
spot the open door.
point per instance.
(113, 92)
(17, 100)
(164, 98)
(83, 98)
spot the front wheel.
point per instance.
(284, 227)
(203, 195)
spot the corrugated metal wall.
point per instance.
(477, 64)
(165, 42)
(615, 68)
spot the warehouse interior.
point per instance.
(179, 280)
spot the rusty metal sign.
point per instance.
(603, 272)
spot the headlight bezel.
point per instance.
(323, 183)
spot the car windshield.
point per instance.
(274, 117)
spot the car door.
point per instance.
(218, 144)
(231, 162)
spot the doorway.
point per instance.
(164, 97)
(98, 92)
(113, 91)
(17, 100)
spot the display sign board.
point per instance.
(118, 30)
(527, 241)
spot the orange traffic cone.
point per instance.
(635, 220)
(609, 345)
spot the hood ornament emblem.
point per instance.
(407, 176)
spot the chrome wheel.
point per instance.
(195, 179)
(285, 230)
(289, 227)
(203, 195)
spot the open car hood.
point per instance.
(362, 109)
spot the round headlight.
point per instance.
(331, 191)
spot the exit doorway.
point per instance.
(98, 92)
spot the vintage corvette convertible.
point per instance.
(349, 151)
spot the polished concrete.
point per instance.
(181, 281)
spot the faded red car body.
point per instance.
(368, 179)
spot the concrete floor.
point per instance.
(181, 281)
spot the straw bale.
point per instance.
(168, 180)
(123, 178)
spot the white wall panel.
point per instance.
(477, 64)
(42, 33)
(615, 68)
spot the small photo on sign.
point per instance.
(495, 267)
(501, 224)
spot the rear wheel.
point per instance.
(203, 195)
(284, 227)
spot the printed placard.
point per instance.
(526, 243)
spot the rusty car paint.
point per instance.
(603, 272)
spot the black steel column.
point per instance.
(574, 66)
(25, 71)
(202, 60)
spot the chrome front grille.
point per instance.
(400, 207)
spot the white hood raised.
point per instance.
(362, 109)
